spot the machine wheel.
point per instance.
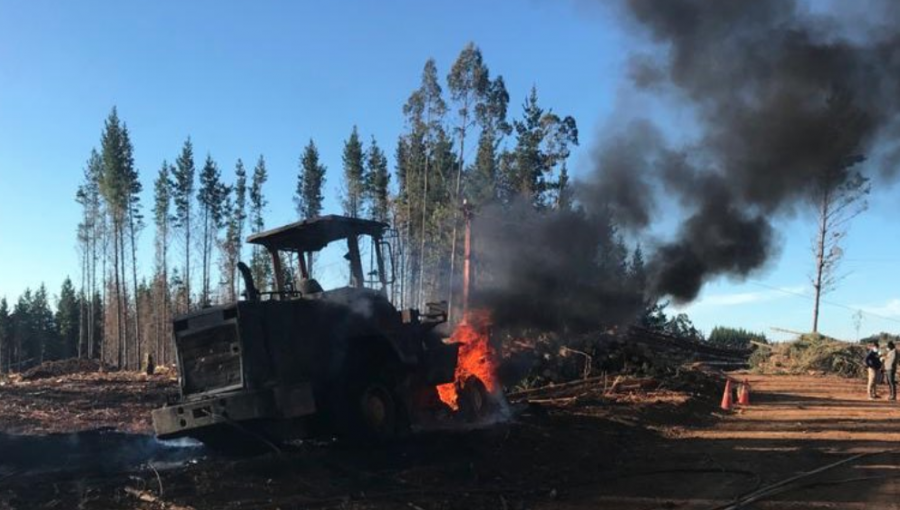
(377, 413)
(474, 400)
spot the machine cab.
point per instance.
(292, 249)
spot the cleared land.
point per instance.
(641, 446)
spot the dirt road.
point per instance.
(666, 449)
(795, 424)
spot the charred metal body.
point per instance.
(299, 360)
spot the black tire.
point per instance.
(376, 413)
(474, 400)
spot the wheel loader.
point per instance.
(298, 361)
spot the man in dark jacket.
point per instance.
(890, 370)
(873, 365)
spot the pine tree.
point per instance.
(259, 264)
(45, 340)
(115, 186)
(67, 315)
(354, 186)
(378, 181)
(5, 336)
(310, 181)
(211, 197)
(308, 195)
(163, 219)
(542, 143)
(91, 234)
(235, 230)
(25, 348)
(135, 225)
(182, 197)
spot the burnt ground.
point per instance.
(636, 448)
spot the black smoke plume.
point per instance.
(778, 97)
(781, 97)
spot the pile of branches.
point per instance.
(555, 358)
(59, 368)
(811, 353)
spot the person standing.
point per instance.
(873, 366)
(890, 370)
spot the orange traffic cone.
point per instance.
(744, 394)
(726, 398)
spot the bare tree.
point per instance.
(840, 193)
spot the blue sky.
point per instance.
(244, 80)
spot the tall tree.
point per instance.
(67, 318)
(354, 185)
(115, 187)
(484, 174)
(424, 111)
(259, 263)
(378, 181)
(469, 84)
(90, 238)
(841, 194)
(182, 197)
(211, 197)
(310, 181)
(162, 219)
(135, 225)
(25, 350)
(543, 142)
(235, 230)
(5, 336)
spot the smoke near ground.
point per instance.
(551, 272)
(782, 98)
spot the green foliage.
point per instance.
(34, 334)
(377, 183)
(182, 197)
(260, 266)
(354, 175)
(162, 197)
(6, 333)
(234, 230)
(118, 180)
(183, 186)
(67, 323)
(680, 325)
(882, 339)
(811, 353)
(310, 181)
(213, 198)
(542, 145)
(738, 338)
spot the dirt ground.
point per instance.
(641, 449)
(83, 401)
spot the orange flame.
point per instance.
(476, 356)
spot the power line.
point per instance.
(825, 301)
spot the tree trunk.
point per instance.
(820, 258)
(456, 205)
(137, 302)
(118, 296)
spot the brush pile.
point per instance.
(810, 354)
(637, 352)
(50, 369)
